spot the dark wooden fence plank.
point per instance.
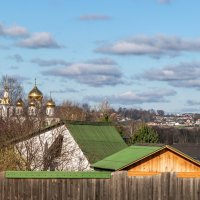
(20, 189)
(180, 189)
(172, 186)
(156, 182)
(133, 188)
(165, 180)
(197, 188)
(36, 189)
(63, 189)
(141, 188)
(93, 189)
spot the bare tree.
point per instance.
(10, 159)
(71, 111)
(15, 88)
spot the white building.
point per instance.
(35, 105)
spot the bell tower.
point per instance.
(35, 97)
(50, 107)
(19, 107)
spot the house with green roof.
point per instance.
(71, 146)
(148, 160)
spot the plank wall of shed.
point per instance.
(164, 161)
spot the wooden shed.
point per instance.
(150, 160)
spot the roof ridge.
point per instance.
(61, 122)
(87, 123)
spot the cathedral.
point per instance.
(34, 108)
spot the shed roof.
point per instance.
(190, 149)
(125, 157)
(133, 154)
(193, 150)
(96, 140)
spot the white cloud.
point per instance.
(13, 31)
(39, 40)
(185, 74)
(92, 73)
(49, 63)
(154, 46)
(131, 97)
(102, 61)
(34, 40)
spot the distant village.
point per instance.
(179, 120)
(158, 118)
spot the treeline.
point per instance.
(171, 135)
(73, 111)
(137, 114)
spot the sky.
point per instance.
(142, 54)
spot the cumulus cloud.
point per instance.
(180, 75)
(39, 40)
(130, 97)
(49, 63)
(13, 31)
(102, 61)
(154, 46)
(60, 62)
(29, 40)
(94, 17)
(90, 73)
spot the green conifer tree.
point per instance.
(145, 134)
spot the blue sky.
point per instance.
(136, 53)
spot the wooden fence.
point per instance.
(119, 187)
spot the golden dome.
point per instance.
(50, 103)
(35, 94)
(19, 103)
(32, 103)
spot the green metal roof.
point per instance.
(96, 140)
(125, 157)
(56, 174)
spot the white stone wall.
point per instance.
(50, 111)
(72, 158)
